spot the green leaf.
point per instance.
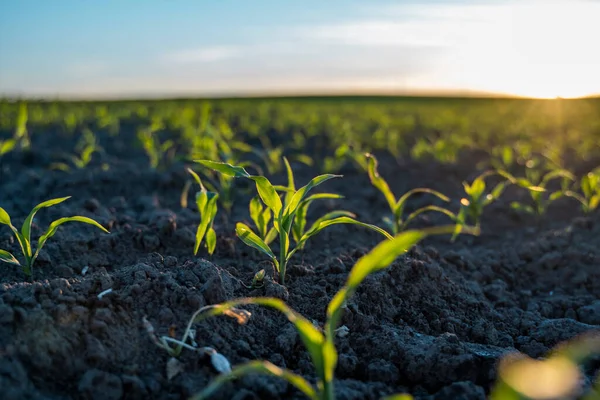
(54, 226)
(377, 259)
(421, 210)
(4, 217)
(6, 257)
(477, 188)
(26, 229)
(268, 194)
(315, 229)
(594, 202)
(557, 173)
(257, 367)
(398, 208)
(196, 178)
(207, 206)
(522, 207)
(379, 182)
(311, 337)
(224, 168)
(300, 195)
(291, 184)
(251, 239)
(211, 241)
(556, 195)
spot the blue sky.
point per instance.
(184, 47)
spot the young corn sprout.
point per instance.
(155, 150)
(475, 200)
(24, 236)
(207, 207)
(590, 191)
(397, 223)
(536, 183)
(85, 149)
(319, 344)
(283, 215)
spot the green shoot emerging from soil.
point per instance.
(283, 215)
(24, 237)
(319, 344)
(207, 207)
(397, 224)
(476, 198)
(590, 191)
(536, 183)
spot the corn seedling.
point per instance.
(319, 344)
(590, 191)
(398, 223)
(85, 149)
(207, 207)
(536, 184)
(155, 150)
(476, 199)
(283, 215)
(24, 237)
(21, 134)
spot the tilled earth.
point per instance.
(434, 324)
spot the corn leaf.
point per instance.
(268, 194)
(299, 196)
(315, 229)
(55, 224)
(211, 240)
(251, 239)
(4, 217)
(398, 208)
(7, 257)
(291, 184)
(224, 168)
(379, 182)
(26, 229)
(207, 205)
(421, 210)
(258, 367)
(311, 337)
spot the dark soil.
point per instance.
(434, 324)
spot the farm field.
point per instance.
(515, 268)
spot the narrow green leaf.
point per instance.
(268, 194)
(377, 259)
(257, 367)
(211, 241)
(311, 337)
(6, 257)
(4, 217)
(224, 168)
(26, 229)
(398, 208)
(421, 210)
(251, 239)
(379, 182)
(54, 226)
(207, 205)
(556, 195)
(477, 188)
(301, 194)
(196, 178)
(315, 229)
(291, 184)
